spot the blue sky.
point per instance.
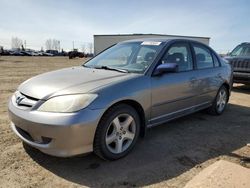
(227, 22)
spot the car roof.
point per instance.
(245, 43)
(158, 39)
(147, 39)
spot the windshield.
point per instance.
(241, 50)
(131, 57)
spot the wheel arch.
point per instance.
(227, 86)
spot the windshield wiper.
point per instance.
(111, 68)
(86, 66)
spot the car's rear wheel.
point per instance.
(220, 101)
(117, 132)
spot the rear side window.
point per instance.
(216, 61)
(203, 57)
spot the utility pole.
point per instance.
(25, 44)
(73, 46)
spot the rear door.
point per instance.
(208, 73)
(174, 92)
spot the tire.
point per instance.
(220, 101)
(117, 132)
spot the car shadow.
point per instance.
(166, 152)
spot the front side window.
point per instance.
(132, 57)
(146, 55)
(180, 54)
(203, 57)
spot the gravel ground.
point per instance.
(169, 156)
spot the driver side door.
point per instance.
(174, 93)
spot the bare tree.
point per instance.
(16, 43)
(52, 44)
(56, 44)
(90, 48)
(1, 49)
(84, 48)
(48, 44)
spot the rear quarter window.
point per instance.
(216, 61)
(203, 56)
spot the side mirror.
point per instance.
(165, 68)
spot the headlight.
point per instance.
(67, 103)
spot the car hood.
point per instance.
(69, 81)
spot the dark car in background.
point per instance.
(75, 53)
(239, 58)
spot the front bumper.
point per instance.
(57, 134)
(241, 77)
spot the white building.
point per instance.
(101, 42)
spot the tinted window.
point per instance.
(179, 53)
(216, 61)
(247, 52)
(241, 50)
(203, 57)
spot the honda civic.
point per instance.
(107, 103)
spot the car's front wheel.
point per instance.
(117, 132)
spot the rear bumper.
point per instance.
(57, 134)
(241, 77)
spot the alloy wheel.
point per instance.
(120, 133)
(221, 100)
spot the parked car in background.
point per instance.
(31, 52)
(75, 53)
(47, 54)
(105, 104)
(16, 53)
(239, 58)
(54, 52)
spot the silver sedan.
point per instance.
(107, 103)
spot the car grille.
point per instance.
(241, 65)
(23, 101)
